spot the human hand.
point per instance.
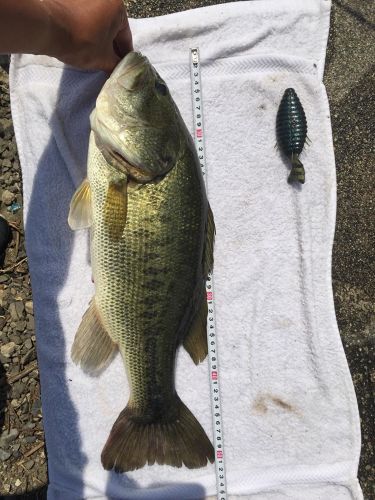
(88, 34)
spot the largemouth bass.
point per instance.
(152, 236)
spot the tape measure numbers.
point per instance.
(196, 89)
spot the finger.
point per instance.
(108, 62)
(123, 41)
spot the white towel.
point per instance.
(290, 416)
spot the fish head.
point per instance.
(136, 123)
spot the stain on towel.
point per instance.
(265, 402)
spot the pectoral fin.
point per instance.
(116, 207)
(80, 213)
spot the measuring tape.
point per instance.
(196, 89)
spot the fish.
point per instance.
(291, 132)
(151, 242)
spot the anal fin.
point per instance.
(93, 349)
(209, 244)
(195, 341)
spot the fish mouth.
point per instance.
(134, 172)
(132, 60)
(131, 168)
(132, 71)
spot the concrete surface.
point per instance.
(350, 82)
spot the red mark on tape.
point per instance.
(219, 454)
(209, 296)
(214, 375)
(199, 133)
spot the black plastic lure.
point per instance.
(291, 132)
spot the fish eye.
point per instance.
(160, 88)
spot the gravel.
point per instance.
(7, 197)
(22, 463)
(4, 455)
(8, 437)
(8, 349)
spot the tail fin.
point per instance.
(134, 442)
(298, 172)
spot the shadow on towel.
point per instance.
(165, 491)
(49, 243)
(49, 246)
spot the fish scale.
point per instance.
(126, 321)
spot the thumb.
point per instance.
(109, 61)
(123, 41)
